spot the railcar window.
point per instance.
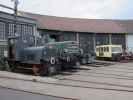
(107, 48)
(116, 49)
(101, 49)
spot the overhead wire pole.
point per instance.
(16, 2)
(15, 9)
(15, 16)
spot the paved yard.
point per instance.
(96, 82)
(9, 94)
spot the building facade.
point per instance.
(88, 41)
(24, 27)
(88, 32)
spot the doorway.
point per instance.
(55, 38)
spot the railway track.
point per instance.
(104, 70)
(88, 84)
(110, 67)
(89, 72)
(62, 98)
(101, 75)
(29, 72)
(101, 83)
(121, 71)
(120, 67)
(108, 64)
(81, 86)
(100, 64)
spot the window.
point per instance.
(30, 30)
(11, 30)
(101, 49)
(19, 29)
(2, 30)
(107, 49)
(116, 49)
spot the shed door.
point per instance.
(86, 42)
(130, 42)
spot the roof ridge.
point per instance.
(74, 18)
(82, 25)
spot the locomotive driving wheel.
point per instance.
(36, 70)
(39, 70)
(52, 69)
(52, 66)
(12, 66)
(47, 70)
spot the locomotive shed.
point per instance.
(98, 81)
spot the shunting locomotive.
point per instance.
(48, 59)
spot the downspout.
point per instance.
(110, 39)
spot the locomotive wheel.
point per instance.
(119, 58)
(39, 70)
(51, 69)
(12, 67)
(46, 69)
(84, 61)
(36, 70)
(76, 64)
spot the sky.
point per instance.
(94, 9)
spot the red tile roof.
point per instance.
(81, 25)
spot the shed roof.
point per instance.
(10, 18)
(81, 25)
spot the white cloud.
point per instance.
(112, 7)
(72, 8)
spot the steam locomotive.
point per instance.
(48, 59)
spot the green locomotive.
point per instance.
(48, 59)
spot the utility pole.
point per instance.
(15, 16)
(15, 9)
